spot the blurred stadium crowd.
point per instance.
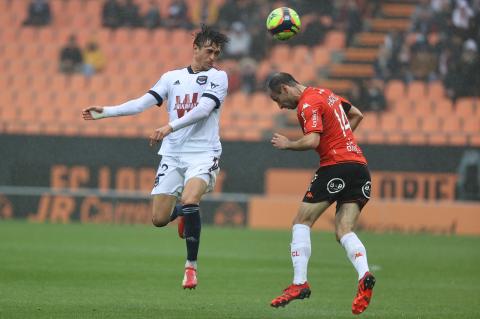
(412, 66)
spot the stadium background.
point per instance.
(420, 133)
(410, 66)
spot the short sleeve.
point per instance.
(216, 88)
(312, 111)
(346, 104)
(160, 89)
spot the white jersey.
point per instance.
(183, 89)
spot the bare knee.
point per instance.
(159, 221)
(304, 218)
(342, 230)
(190, 200)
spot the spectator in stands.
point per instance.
(461, 18)
(314, 32)
(130, 14)
(353, 22)
(393, 45)
(317, 8)
(178, 15)
(375, 97)
(469, 69)
(112, 14)
(260, 43)
(227, 13)
(240, 41)
(38, 13)
(204, 12)
(248, 79)
(441, 20)
(381, 64)
(93, 58)
(71, 59)
(422, 18)
(152, 18)
(358, 95)
(475, 23)
(423, 63)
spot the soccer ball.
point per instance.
(283, 23)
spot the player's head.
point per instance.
(285, 90)
(207, 46)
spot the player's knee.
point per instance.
(305, 219)
(341, 231)
(190, 200)
(159, 222)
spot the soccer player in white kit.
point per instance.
(191, 146)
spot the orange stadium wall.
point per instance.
(401, 201)
(413, 188)
(277, 212)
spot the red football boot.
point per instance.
(190, 278)
(364, 294)
(290, 293)
(181, 227)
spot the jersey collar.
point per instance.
(190, 70)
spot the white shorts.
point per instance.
(174, 172)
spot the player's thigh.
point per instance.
(200, 175)
(346, 218)
(308, 213)
(162, 205)
(170, 178)
(193, 191)
(357, 186)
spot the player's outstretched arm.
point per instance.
(354, 117)
(128, 108)
(307, 142)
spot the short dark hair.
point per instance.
(277, 79)
(209, 35)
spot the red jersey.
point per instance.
(321, 111)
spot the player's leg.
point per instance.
(163, 208)
(300, 251)
(345, 220)
(300, 247)
(200, 177)
(192, 194)
(353, 198)
(166, 189)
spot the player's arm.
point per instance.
(307, 142)
(354, 117)
(128, 108)
(205, 106)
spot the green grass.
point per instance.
(110, 271)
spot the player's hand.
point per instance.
(279, 141)
(92, 113)
(160, 134)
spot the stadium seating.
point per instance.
(40, 100)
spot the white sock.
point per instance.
(300, 251)
(191, 264)
(356, 253)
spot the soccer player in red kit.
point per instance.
(328, 122)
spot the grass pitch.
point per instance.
(112, 271)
